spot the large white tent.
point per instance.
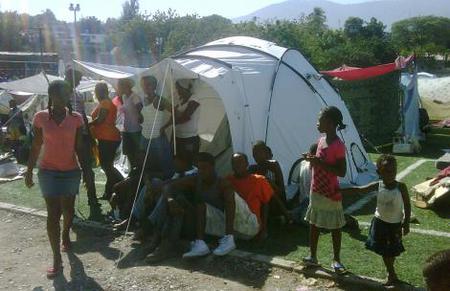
(252, 90)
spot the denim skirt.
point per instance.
(59, 183)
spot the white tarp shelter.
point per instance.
(410, 107)
(37, 84)
(255, 90)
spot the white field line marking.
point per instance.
(419, 230)
(366, 199)
(411, 168)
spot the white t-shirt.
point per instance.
(189, 128)
(390, 206)
(149, 112)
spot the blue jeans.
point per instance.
(139, 206)
(170, 227)
(160, 156)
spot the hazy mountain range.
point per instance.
(388, 11)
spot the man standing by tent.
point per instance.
(77, 102)
(16, 127)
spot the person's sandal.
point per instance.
(66, 246)
(310, 262)
(54, 272)
(392, 282)
(338, 268)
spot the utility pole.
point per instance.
(40, 47)
(75, 8)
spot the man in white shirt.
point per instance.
(154, 115)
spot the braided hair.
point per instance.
(335, 115)
(58, 89)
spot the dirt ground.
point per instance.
(25, 255)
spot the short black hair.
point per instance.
(240, 154)
(103, 88)
(335, 115)
(205, 157)
(437, 269)
(150, 79)
(385, 159)
(264, 146)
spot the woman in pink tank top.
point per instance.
(57, 131)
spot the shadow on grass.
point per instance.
(443, 210)
(98, 241)
(246, 272)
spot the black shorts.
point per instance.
(385, 238)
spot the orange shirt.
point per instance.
(58, 141)
(107, 129)
(254, 189)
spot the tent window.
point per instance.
(359, 159)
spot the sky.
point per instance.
(103, 9)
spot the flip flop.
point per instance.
(53, 272)
(338, 268)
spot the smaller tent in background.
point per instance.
(435, 97)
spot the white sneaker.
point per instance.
(226, 245)
(198, 249)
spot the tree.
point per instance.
(426, 36)
(317, 20)
(90, 24)
(130, 9)
(353, 27)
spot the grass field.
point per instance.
(291, 242)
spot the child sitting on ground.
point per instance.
(392, 214)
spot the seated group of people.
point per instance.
(196, 201)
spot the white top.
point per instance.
(390, 206)
(130, 113)
(304, 182)
(152, 115)
(189, 128)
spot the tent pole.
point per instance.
(73, 86)
(173, 115)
